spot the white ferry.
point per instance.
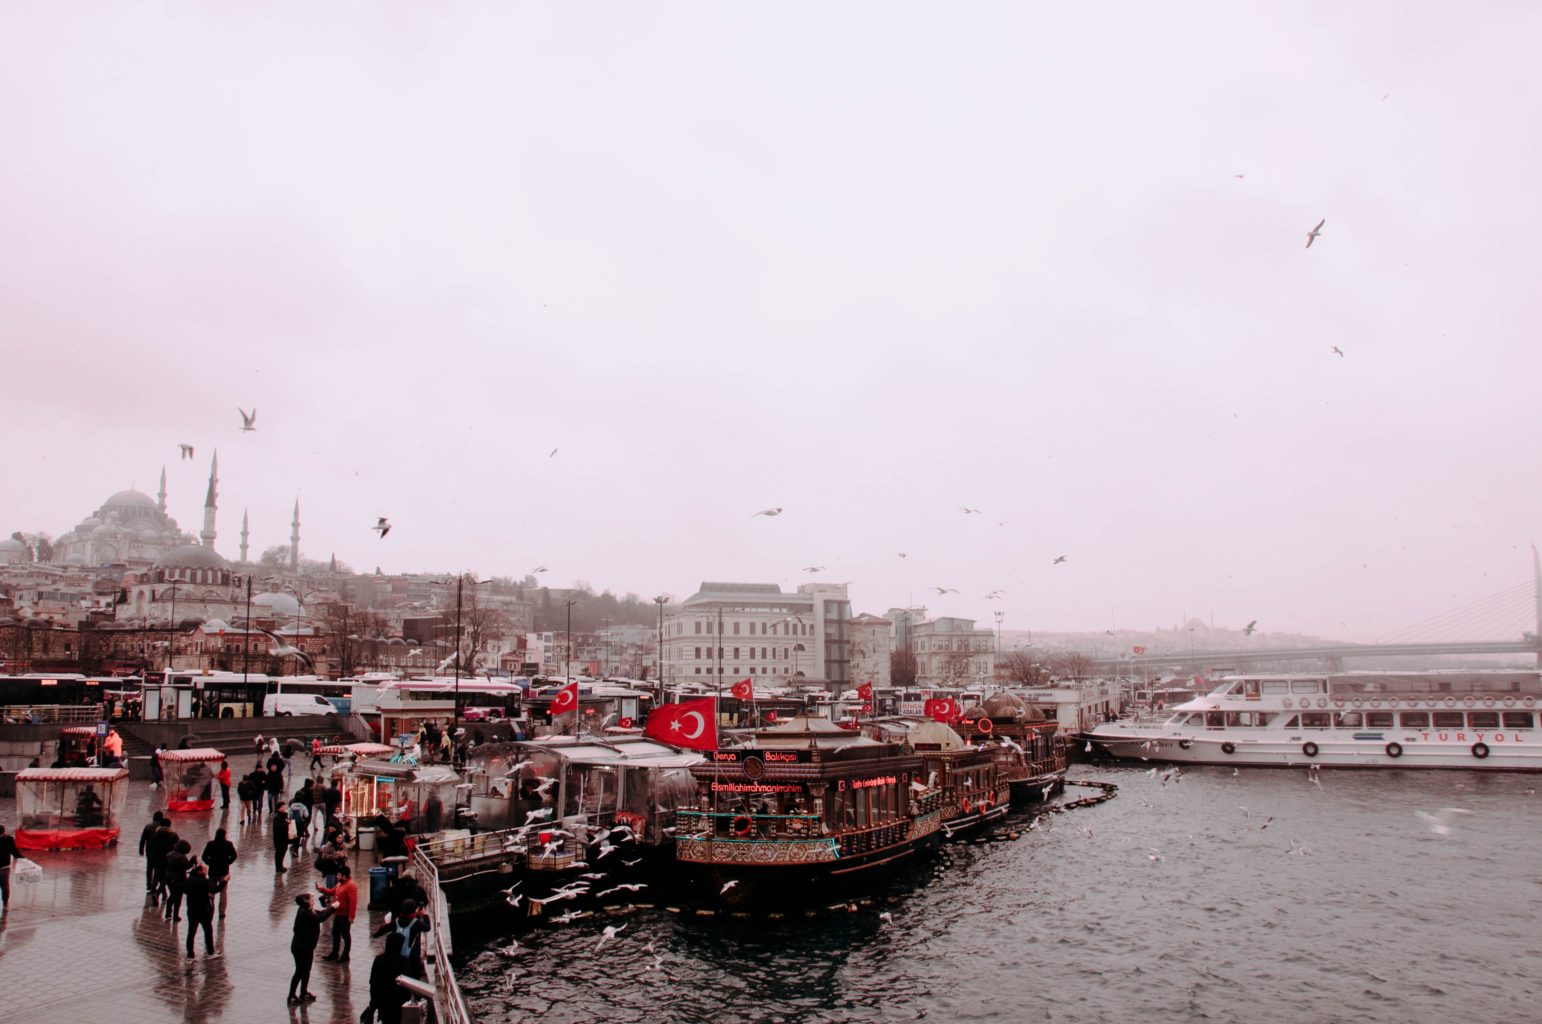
(1481, 720)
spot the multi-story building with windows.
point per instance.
(726, 632)
(949, 650)
(871, 639)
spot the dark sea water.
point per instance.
(1377, 919)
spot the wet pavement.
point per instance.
(85, 945)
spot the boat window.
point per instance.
(1449, 720)
(1517, 719)
(1243, 719)
(1316, 720)
(1250, 688)
(1416, 719)
(1378, 719)
(1483, 719)
(1294, 723)
(1214, 719)
(1305, 686)
(1276, 686)
(1348, 719)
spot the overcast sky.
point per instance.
(871, 263)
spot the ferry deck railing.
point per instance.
(449, 1005)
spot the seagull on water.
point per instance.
(769, 512)
(248, 422)
(887, 919)
(187, 450)
(382, 526)
(1311, 236)
(1440, 823)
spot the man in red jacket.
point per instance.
(345, 901)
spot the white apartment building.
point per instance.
(950, 650)
(871, 639)
(726, 632)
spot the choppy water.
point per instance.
(1378, 920)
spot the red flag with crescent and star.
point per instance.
(1138, 650)
(566, 699)
(942, 709)
(691, 724)
(744, 689)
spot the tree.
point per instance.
(1023, 666)
(276, 557)
(1073, 665)
(480, 625)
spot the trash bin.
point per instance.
(365, 836)
(379, 885)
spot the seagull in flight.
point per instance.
(769, 512)
(1058, 560)
(554, 452)
(971, 511)
(814, 568)
(248, 422)
(944, 590)
(187, 450)
(538, 569)
(728, 885)
(611, 931)
(1250, 628)
(902, 554)
(1440, 823)
(283, 648)
(382, 526)
(995, 595)
(1338, 351)
(1311, 236)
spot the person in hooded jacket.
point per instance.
(218, 854)
(200, 890)
(177, 862)
(385, 995)
(307, 932)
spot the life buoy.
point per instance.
(1375, 702)
(986, 726)
(1450, 702)
(742, 825)
(1228, 747)
(1287, 702)
(1354, 702)
(1509, 702)
(1488, 702)
(1480, 750)
(1468, 701)
(1394, 750)
(1309, 748)
(964, 804)
(1530, 702)
(1185, 744)
(1338, 700)
(1322, 702)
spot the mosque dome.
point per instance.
(215, 626)
(12, 544)
(1004, 705)
(277, 602)
(13, 551)
(192, 556)
(130, 499)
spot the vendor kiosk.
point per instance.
(69, 808)
(190, 777)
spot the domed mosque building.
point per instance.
(130, 528)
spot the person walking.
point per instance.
(218, 854)
(278, 830)
(177, 863)
(316, 753)
(144, 845)
(275, 781)
(345, 904)
(156, 851)
(8, 853)
(155, 766)
(299, 818)
(385, 995)
(200, 890)
(224, 780)
(307, 932)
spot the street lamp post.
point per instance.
(658, 654)
(567, 647)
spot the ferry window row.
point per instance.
(1478, 720)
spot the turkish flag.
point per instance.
(566, 699)
(1139, 650)
(691, 723)
(744, 689)
(943, 709)
(865, 691)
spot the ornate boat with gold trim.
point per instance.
(805, 813)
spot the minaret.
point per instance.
(211, 503)
(294, 539)
(243, 534)
(163, 490)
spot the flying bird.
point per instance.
(1058, 560)
(814, 568)
(971, 511)
(1250, 628)
(284, 649)
(1338, 351)
(554, 452)
(382, 526)
(187, 450)
(902, 554)
(538, 569)
(247, 422)
(728, 885)
(944, 590)
(769, 512)
(611, 931)
(995, 595)
(1311, 236)
(1440, 823)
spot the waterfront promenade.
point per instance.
(85, 945)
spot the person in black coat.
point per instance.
(159, 845)
(177, 862)
(275, 781)
(278, 828)
(144, 849)
(218, 854)
(385, 995)
(307, 932)
(200, 889)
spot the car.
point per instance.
(483, 715)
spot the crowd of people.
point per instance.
(182, 883)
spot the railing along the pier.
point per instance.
(450, 1004)
(50, 713)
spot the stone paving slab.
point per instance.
(85, 946)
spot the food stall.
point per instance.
(190, 777)
(77, 747)
(356, 751)
(421, 798)
(69, 808)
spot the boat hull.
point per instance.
(1521, 752)
(792, 883)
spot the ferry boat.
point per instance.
(1030, 751)
(805, 813)
(1473, 720)
(975, 792)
